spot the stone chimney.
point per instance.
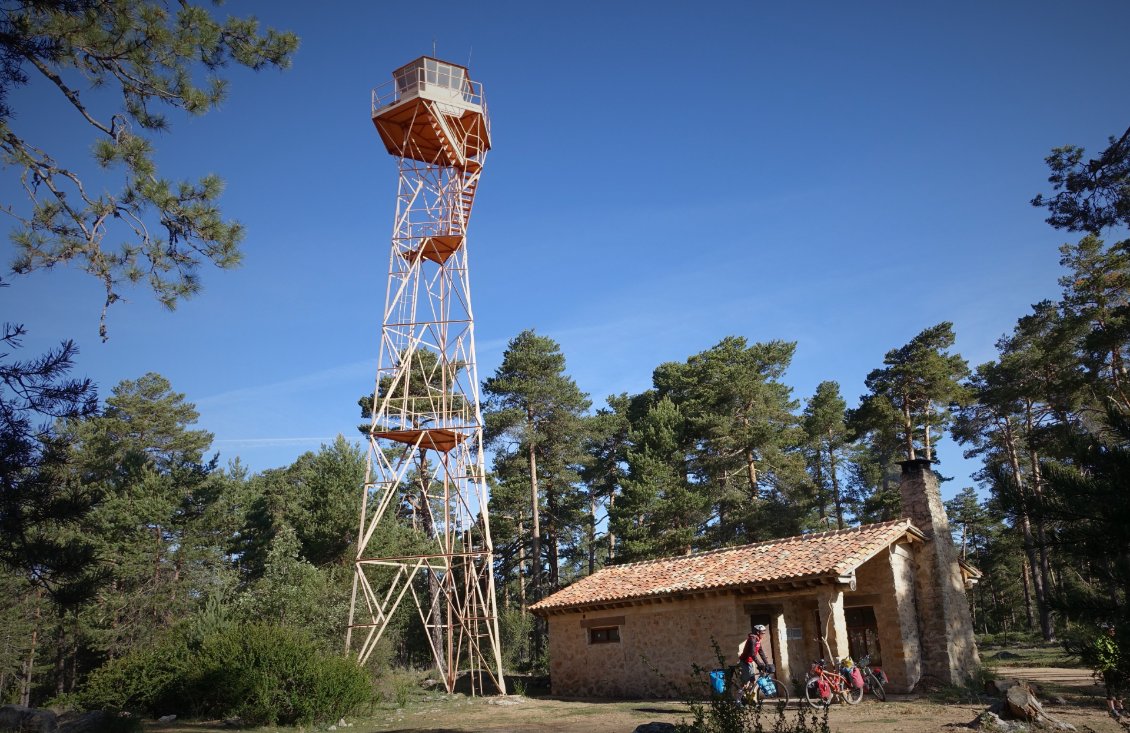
(949, 651)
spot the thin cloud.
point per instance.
(270, 442)
(333, 375)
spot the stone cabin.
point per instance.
(894, 590)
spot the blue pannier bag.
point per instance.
(718, 681)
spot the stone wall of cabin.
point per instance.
(658, 645)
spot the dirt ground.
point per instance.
(1069, 695)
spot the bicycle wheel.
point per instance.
(851, 694)
(779, 700)
(812, 694)
(876, 686)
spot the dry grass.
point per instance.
(1069, 695)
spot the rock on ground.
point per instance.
(990, 721)
(655, 728)
(89, 722)
(27, 720)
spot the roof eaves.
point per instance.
(541, 608)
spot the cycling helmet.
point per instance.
(759, 629)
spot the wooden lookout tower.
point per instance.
(425, 463)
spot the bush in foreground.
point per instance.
(263, 674)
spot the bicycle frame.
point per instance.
(840, 686)
(872, 681)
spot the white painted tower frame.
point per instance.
(425, 458)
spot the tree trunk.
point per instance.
(1029, 624)
(535, 530)
(72, 672)
(551, 535)
(751, 473)
(837, 500)
(521, 565)
(926, 434)
(60, 655)
(1026, 530)
(435, 590)
(592, 533)
(1046, 624)
(994, 596)
(818, 479)
(611, 534)
(29, 663)
(973, 607)
(535, 538)
(1118, 375)
(157, 556)
(908, 428)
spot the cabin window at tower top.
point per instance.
(443, 75)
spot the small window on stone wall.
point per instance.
(607, 635)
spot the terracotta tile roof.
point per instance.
(809, 556)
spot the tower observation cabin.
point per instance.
(432, 112)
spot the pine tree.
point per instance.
(41, 510)
(919, 383)
(1086, 497)
(534, 410)
(987, 543)
(605, 470)
(741, 435)
(162, 230)
(1093, 195)
(659, 512)
(824, 423)
(873, 473)
(158, 489)
(1096, 305)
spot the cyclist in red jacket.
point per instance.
(753, 654)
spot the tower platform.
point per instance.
(432, 112)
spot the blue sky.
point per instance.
(663, 175)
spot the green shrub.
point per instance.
(142, 682)
(515, 628)
(261, 673)
(268, 674)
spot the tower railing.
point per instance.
(391, 92)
